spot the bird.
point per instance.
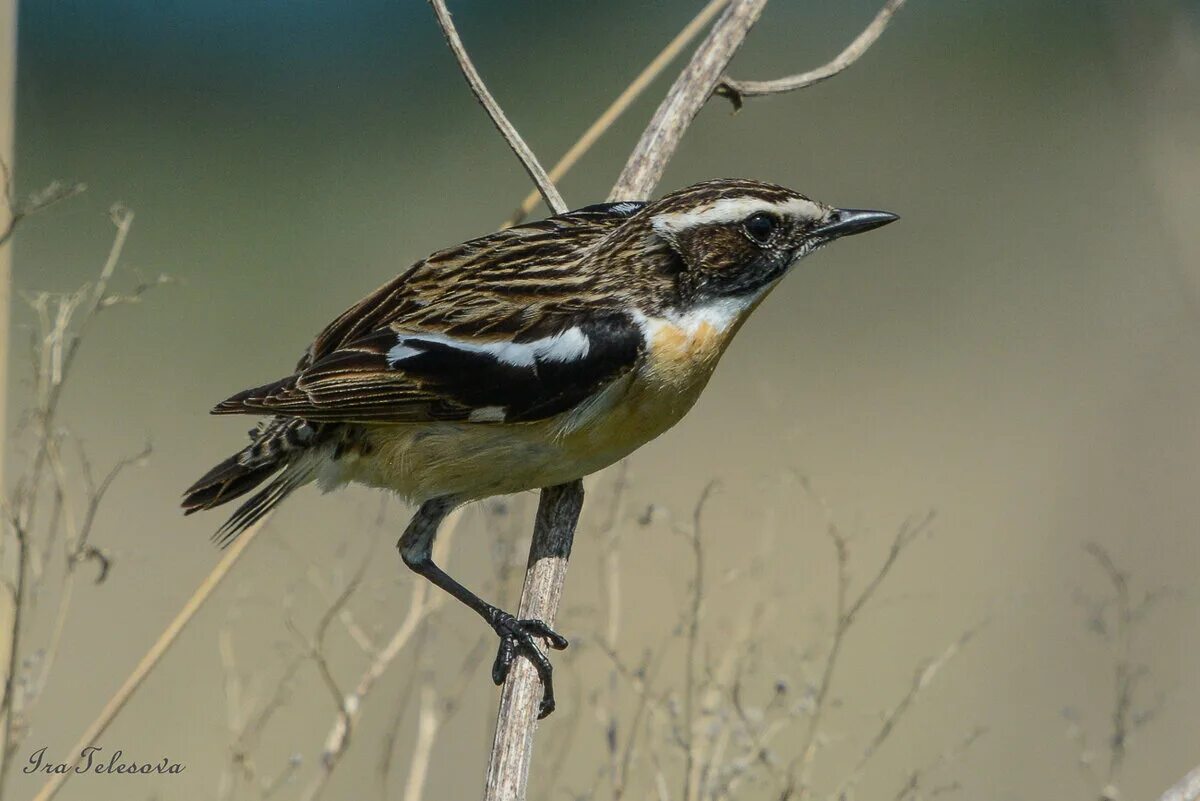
(523, 359)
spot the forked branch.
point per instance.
(737, 91)
(691, 90)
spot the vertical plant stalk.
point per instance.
(516, 723)
(691, 90)
(558, 512)
(8, 95)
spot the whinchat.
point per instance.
(522, 359)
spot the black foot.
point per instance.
(517, 639)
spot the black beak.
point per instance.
(843, 222)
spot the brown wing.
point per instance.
(396, 376)
(495, 285)
(499, 329)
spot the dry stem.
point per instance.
(683, 102)
(422, 603)
(516, 722)
(737, 91)
(63, 320)
(529, 161)
(1116, 618)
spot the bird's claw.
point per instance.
(517, 639)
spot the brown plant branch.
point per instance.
(528, 160)
(691, 90)
(737, 91)
(512, 749)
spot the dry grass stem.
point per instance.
(846, 613)
(427, 728)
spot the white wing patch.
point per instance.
(488, 414)
(562, 347)
(734, 209)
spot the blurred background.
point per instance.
(1018, 354)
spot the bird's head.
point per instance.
(733, 238)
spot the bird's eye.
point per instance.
(760, 227)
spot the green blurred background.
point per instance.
(1019, 353)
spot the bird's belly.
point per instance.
(476, 460)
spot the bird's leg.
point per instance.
(516, 636)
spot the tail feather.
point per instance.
(260, 504)
(228, 480)
(275, 446)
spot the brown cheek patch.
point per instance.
(716, 247)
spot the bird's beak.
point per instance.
(844, 222)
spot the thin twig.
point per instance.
(847, 613)
(19, 211)
(737, 91)
(529, 161)
(922, 678)
(1124, 673)
(78, 551)
(56, 354)
(695, 612)
(912, 785)
(427, 729)
(421, 604)
(689, 93)
(618, 107)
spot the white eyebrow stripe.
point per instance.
(562, 347)
(734, 209)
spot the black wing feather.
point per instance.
(445, 381)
